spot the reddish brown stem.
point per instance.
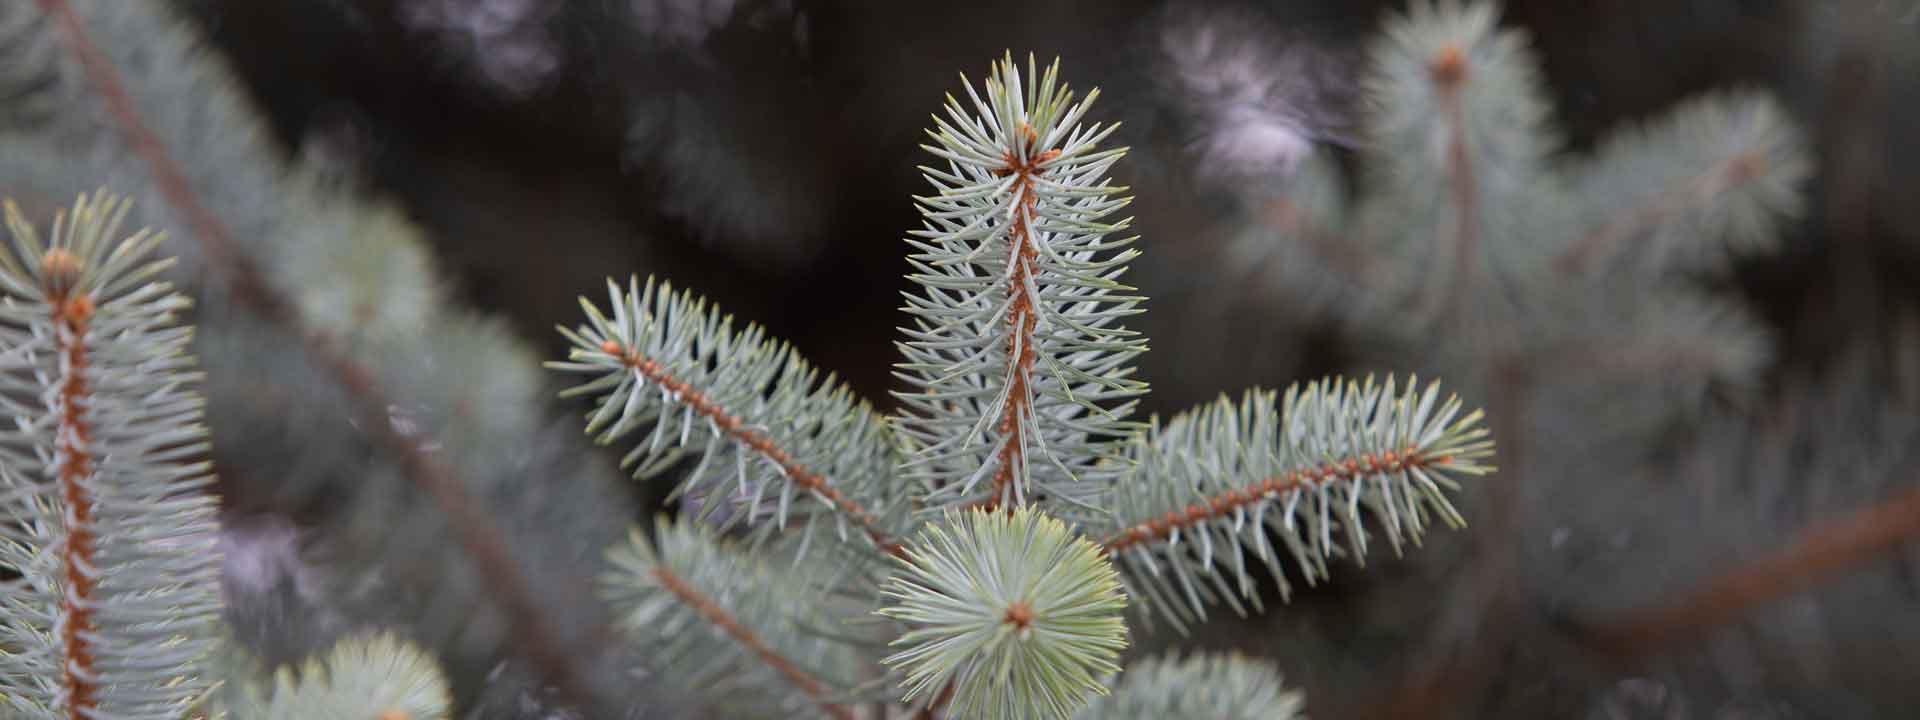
(72, 464)
(474, 531)
(1834, 546)
(1221, 505)
(1022, 319)
(214, 238)
(800, 475)
(720, 618)
(1837, 545)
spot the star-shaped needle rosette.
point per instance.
(1019, 615)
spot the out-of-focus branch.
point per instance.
(726, 623)
(1449, 72)
(475, 532)
(1835, 546)
(1348, 258)
(1695, 192)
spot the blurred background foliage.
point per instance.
(763, 152)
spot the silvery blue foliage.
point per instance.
(322, 322)
(1012, 491)
(110, 530)
(1225, 686)
(1016, 361)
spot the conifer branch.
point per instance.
(1834, 546)
(1008, 612)
(217, 241)
(364, 677)
(1209, 485)
(1690, 195)
(1015, 360)
(725, 621)
(1716, 170)
(1021, 317)
(1019, 395)
(1225, 686)
(696, 609)
(1669, 342)
(475, 533)
(730, 425)
(666, 360)
(1349, 469)
(1458, 137)
(109, 554)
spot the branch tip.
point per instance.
(1448, 68)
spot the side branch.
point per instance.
(1342, 256)
(475, 532)
(1837, 545)
(1352, 469)
(713, 613)
(1698, 191)
(730, 425)
(215, 239)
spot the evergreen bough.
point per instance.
(109, 534)
(993, 531)
(1011, 510)
(108, 527)
(974, 553)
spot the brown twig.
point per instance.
(720, 618)
(1354, 467)
(215, 239)
(473, 530)
(1022, 318)
(1449, 72)
(1834, 546)
(730, 425)
(72, 464)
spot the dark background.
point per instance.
(763, 152)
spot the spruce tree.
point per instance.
(990, 546)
